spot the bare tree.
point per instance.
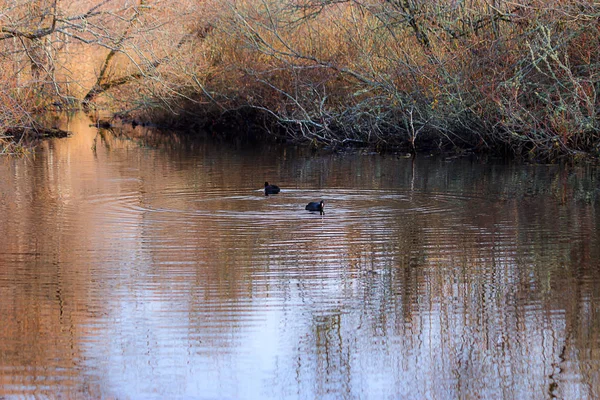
(71, 52)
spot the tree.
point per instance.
(67, 53)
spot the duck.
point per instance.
(316, 206)
(271, 189)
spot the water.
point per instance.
(154, 267)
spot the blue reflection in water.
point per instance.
(144, 272)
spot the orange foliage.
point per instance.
(523, 74)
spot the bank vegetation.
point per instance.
(519, 78)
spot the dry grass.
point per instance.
(518, 77)
(491, 75)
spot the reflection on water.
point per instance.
(155, 267)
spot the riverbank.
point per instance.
(256, 127)
(520, 81)
(251, 125)
(19, 140)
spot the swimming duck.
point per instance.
(316, 206)
(271, 189)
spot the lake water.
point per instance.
(153, 267)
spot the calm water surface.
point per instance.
(155, 268)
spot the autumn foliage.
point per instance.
(513, 77)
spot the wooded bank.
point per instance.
(520, 78)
